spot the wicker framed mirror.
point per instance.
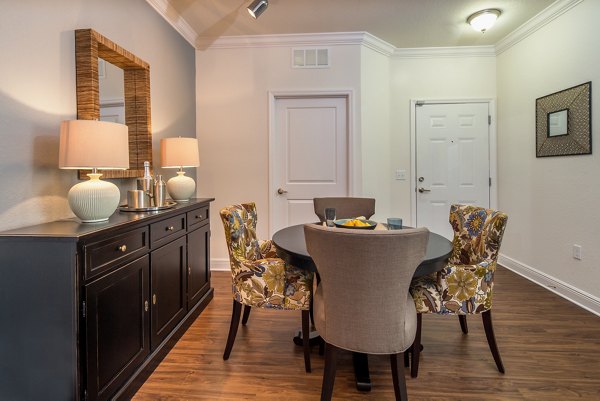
(89, 46)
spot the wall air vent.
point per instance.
(310, 58)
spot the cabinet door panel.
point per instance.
(117, 327)
(169, 283)
(198, 262)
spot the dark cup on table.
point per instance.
(394, 223)
(329, 216)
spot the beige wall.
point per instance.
(37, 91)
(431, 78)
(552, 202)
(375, 130)
(232, 104)
(233, 121)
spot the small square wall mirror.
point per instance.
(558, 123)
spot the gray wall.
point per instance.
(37, 92)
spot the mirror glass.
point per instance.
(112, 92)
(558, 123)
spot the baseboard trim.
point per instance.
(566, 291)
(220, 265)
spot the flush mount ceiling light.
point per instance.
(257, 7)
(483, 20)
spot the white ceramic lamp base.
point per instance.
(181, 188)
(94, 200)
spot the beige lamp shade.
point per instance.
(179, 152)
(93, 144)
(96, 145)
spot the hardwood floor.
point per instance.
(550, 349)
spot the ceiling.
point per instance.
(402, 23)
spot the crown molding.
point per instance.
(448, 52)
(175, 19)
(551, 12)
(378, 45)
(297, 39)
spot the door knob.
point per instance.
(281, 191)
(421, 190)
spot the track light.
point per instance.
(257, 7)
(484, 19)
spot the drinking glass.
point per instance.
(394, 223)
(329, 216)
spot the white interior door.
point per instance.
(452, 161)
(309, 156)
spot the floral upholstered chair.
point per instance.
(260, 279)
(465, 285)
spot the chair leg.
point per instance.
(463, 323)
(398, 377)
(489, 333)
(406, 360)
(416, 348)
(321, 346)
(306, 339)
(233, 328)
(329, 371)
(247, 309)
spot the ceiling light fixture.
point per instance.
(483, 20)
(257, 7)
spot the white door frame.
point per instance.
(413, 149)
(353, 146)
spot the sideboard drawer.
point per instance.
(167, 230)
(197, 216)
(102, 255)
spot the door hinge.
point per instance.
(83, 309)
(489, 120)
(490, 181)
(420, 103)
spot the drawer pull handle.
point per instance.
(123, 248)
(198, 216)
(170, 228)
(146, 306)
(153, 299)
(189, 271)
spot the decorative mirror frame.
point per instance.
(578, 138)
(89, 46)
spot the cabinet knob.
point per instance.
(122, 248)
(198, 216)
(189, 271)
(146, 306)
(170, 228)
(153, 299)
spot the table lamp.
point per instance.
(179, 153)
(96, 145)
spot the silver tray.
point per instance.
(125, 208)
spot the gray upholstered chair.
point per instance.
(345, 208)
(362, 302)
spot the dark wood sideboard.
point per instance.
(87, 311)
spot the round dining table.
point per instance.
(291, 247)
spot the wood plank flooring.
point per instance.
(550, 349)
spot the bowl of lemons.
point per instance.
(359, 223)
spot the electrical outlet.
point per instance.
(577, 252)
